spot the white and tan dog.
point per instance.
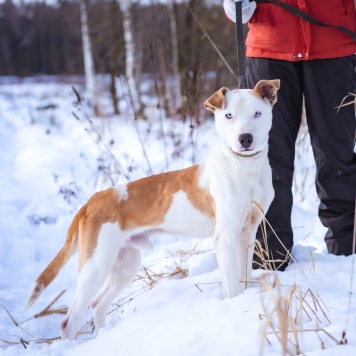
(210, 199)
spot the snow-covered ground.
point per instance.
(50, 163)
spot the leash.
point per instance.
(307, 17)
(241, 60)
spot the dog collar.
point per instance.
(246, 155)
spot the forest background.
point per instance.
(172, 41)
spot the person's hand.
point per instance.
(247, 7)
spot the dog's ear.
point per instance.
(267, 89)
(217, 100)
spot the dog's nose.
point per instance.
(245, 140)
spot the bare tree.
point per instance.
(46, 37)
(177, 86)
(114, 54)
(88, 59)
(125, 6)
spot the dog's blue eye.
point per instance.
(257, 114)
(228, 116)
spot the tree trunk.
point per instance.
(177, 86)
(88, 59)
(114, 54)
(130, 57)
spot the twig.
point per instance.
(290, 256)
(349, 103)
(50, 304)
(150, 170)
(212, 42)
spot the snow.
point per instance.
(52, 163)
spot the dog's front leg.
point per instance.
(245, 251)
(226, 251)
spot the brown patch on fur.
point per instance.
(200, 198)
(256, 94)
(101, 208)
(267, 89)
(217, 100)
(150, 198)
(256, 213)
(147, 204)
(254, 217)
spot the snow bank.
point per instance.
(51, 163)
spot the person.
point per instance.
(318, 63)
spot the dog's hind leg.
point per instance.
(121, 274)
(93, 274)
(89, 281)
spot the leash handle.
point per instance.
(241, 65)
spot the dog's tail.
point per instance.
(51, 271)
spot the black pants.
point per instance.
(324, 84)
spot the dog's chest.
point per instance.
(239, 191)
(236, 178)
(233, 184)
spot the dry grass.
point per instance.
(263, 253)
(147, 277)
(285, 310)
(352, 102)
(30, 337)
(289, 256)
(312, 259)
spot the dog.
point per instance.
(210, 199)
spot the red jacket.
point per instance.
(276, 33)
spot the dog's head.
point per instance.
(244, 117)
